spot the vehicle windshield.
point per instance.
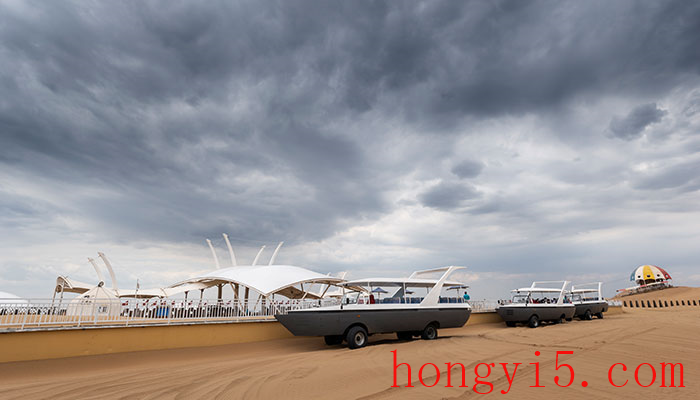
(520, 297)
(586, 296)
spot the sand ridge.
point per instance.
(303, 368)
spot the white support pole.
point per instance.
(213, 253)
(97, 269)
(230, 251)
(111, 272)
(255, 261)
(274, 255)
(325, 290)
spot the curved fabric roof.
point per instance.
(69, 285)
(646, 272)
(266, 279)
(9, 298)
(72, 286)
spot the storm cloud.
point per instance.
(367, 135)
(632, 125)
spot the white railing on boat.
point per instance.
(42, 314)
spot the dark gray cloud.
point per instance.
(468, 169)
(632, 125)
(448, 196)
(131, 122)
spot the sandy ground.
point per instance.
(305, 368)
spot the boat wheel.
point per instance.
(429, 333)
(533, 322)
(356, 337)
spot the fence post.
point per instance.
(26, 312)
(94, 311)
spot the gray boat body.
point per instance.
(332, 321)
(544, 312)
(594, 306)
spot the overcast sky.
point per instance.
(523, 139)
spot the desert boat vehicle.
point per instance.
(359, 315)
(589, 301)
(538, 303)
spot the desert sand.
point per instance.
(305, 368)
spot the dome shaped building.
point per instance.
(647, 274)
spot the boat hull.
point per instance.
(594, 307)
(317, 322)
(544, 312)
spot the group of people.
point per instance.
(546, 300)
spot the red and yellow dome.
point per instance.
(649, 273)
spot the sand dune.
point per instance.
(685, 293)
(304, 368)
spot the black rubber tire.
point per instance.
(599, 315)
(588, 316)
(510, 324)
(569, 319)
(533, 322)
(333, 340)
(560, 320)
(429, 333)
(357, 337)
(404, 335)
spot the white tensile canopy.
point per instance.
(265, 279)
(9, 298)
(99, 300)
(68, 285)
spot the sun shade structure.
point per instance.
(98, 301)
(68, 285)
(646, 274)
(264, 279)
(9, 298)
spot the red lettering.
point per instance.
(449, 375)
(663, 374)
(508, 377)
(624, 368)
(653, 376)
(396, 367)
(477, 382)
(537, 374)
(420, 375)
(557, 366)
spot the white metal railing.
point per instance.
(31, 314)
(483, 305)
(644, 288)
(37, 314)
